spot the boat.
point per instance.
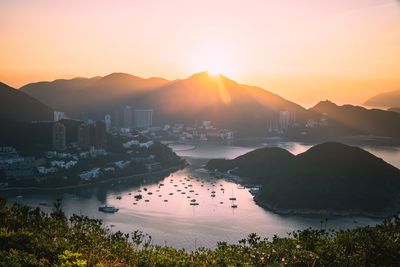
(43, 203)
(234, 206)
(108, 209)
(119, 197)
(20, 196)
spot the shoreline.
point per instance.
(170, 169)
(337, 213)
(301, 212)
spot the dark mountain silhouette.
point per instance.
(200, 97)
(94, 94)
(388, 99)
(18, 106)
(397, 110)
(358, 120)
(330, 177)
(228, 104)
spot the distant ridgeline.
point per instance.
(330, 178)
(248, 110)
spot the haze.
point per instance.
(345, 51)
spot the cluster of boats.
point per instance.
(185, 182)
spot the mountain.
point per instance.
(358, 120)
(328, 178)
(91, 94)
(397, 110)
(200, 97)
(228, 104)
(388, 99)
(18, 106)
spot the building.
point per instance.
(284, 120)
(58, 115)
(127, 118)
(100, 135)
(84, 136)
(59, 136)
(143, 118)
(107, 120)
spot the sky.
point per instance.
(305, 50)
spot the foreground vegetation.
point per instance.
(30, 237)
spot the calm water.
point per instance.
(181, 225)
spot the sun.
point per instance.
(215, 60)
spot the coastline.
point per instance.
(308, 212)
(170, 169)
(343, 213)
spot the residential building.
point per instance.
(127, 122)
(84, 136)
(59, 138)
(100, 135)
(143, 118)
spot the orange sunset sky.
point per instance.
(304, 50)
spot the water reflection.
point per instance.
(180, 224)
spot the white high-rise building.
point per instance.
(284, 120)
(143, 118)
(127, 122)
(58, 115)
(107, 120)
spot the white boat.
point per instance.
(43, 203)
(20, 196)
(108, 209)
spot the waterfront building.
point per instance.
(284, 120)
(59, 136)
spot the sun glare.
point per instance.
(215, 61)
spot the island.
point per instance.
(329, 178)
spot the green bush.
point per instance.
(30, 237)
